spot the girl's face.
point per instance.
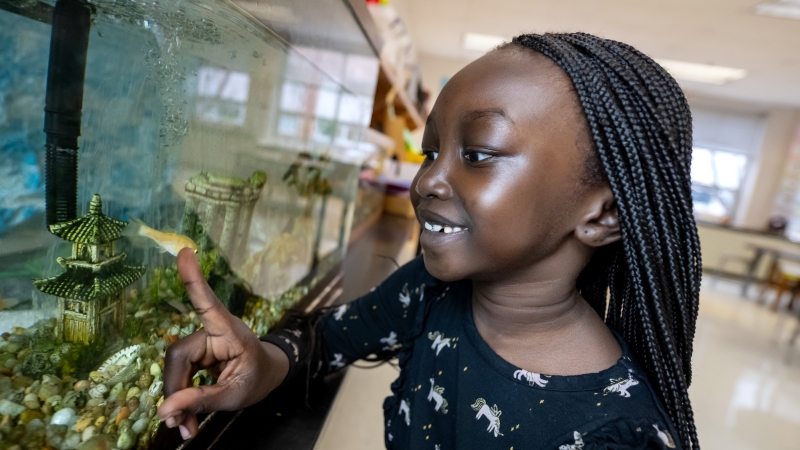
(506, 147)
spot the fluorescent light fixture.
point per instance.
(784, 9)
(702, 73)
(481, 42)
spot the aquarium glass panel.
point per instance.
(231, 128)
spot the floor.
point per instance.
(356, 418)
(746, 390)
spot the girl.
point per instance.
(555, 301)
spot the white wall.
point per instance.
(755, 210)
(434, 69)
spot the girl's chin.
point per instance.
(444, 267)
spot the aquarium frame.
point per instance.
(41, 12)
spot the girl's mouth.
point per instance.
(446, 229)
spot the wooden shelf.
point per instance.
(403, 106)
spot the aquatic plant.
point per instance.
(308, 183)
(44, 340)
(82, 358)
(132, 328)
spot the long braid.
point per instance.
(647, 286)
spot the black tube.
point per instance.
(69, 43)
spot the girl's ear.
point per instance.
(600, 225)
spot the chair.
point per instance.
(728, 258)
(783, 276)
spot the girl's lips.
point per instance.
(430, 238)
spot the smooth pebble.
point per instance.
(155, 370)
(140, 425)
(133, 392)
(98, 391)
(116, 390)
(31, 401)
(9, 407)
(126, 439)
(88, 433)
(63, 417)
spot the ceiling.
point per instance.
(719, 32)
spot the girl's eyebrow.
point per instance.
(490, 112)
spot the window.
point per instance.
(726, 146)
(314, 107)
(716, 178)
(222, 95)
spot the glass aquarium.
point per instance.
(130, 129)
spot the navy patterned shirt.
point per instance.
(454, 391)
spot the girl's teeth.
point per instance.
(445, 229)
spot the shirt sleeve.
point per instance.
(377, 323)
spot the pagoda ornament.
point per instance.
(91, 293)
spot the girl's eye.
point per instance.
(430, 155)
(474, 156)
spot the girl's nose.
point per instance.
(433, 181)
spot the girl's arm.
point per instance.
(375, 324)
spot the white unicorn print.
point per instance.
(621, 385)
(492, 414)
(296, 333)
(296, 352)
(340, 312)
(436, 395)
(405, 409)
(421, 291)
(439, 341)
(533, 378)
(390, 341)
(437, 447)
(337, 361)
(405, 296)
(578, 445)
(665, 437)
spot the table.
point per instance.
(760, 252)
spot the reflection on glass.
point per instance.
(198, 128)
(222, 95)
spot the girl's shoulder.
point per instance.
(620, 434)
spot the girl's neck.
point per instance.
(543, 326)
(526, 308)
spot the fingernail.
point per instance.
(170, 422)
(184, 432)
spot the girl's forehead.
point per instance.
(519, 84)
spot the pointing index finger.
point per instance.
(208, 307)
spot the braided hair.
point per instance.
(646, 286)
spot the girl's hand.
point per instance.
(250, 369)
